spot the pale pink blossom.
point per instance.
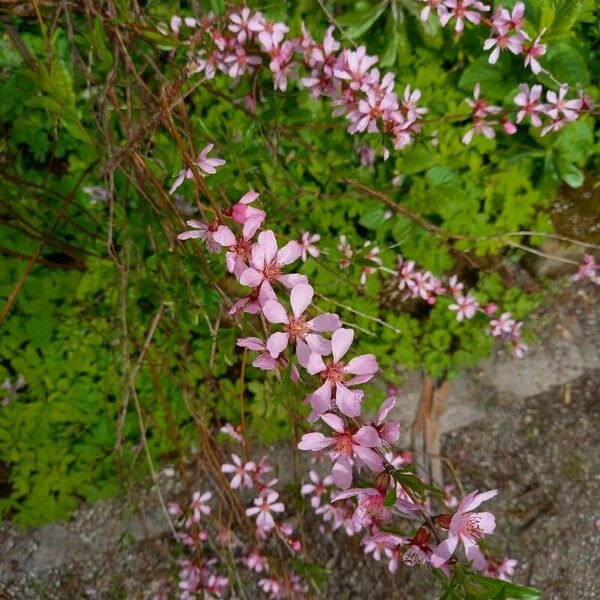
(465, 307)
(500, 569)
(588, 269)
(206, 165)
(353, 66)
(437, 5)
(469, 528)
(257, 562)
(238, 249)
(317, 488)
(264, 360)
(266, 265)
(455, 287)
(388, 432)
(242, 212)
(533, 52)
(297, 328)
(557, 104)
(503, 39)
(307, 242)
(346, 249)
(370, 508)
(346, 444)
(242, 472)
(239, 62)
(530, 103)
(460, 10)
(199, 505)
(339, 375)
(503, 324)
(263, 507)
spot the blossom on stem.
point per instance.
(296, 327)
(339, 375)
(199, 505)
(465, 307)
(243, 472)
(207, 166)
(529, 101)
(467, 527)
(307, 242)
(460, 10)
(266, 264)
(388, 432)
(533, 52)
(346, 444)
(317, 488)
(264, 505)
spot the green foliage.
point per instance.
(81, 320)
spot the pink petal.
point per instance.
(366, 364)
(315, 441)
(248, 197)
(348, 401)
(292, 280)
(326, 322)
(289, 253)
(224, 236)
(335, 422)
(274, 312)
(252, 343)
(342, 472)
(367, 436)
(385, 408)
(340, 342)
(317, 343)
(188, 235)
(475, 499)
(267, 241)
(444, 551)
(300, 297)
(277, 343)
(251, 277)
(370, 458)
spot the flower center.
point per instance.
(272, 271)
(297, 328)
(343, 444)
(334, 372)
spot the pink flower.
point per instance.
(465, 307)
(503, 41)
(335, 372)
(239, 249)
(264, 360)
(454, 286)
(503, 324)
(366, 155)
(317, 488)
(353, 66)
(370, 509)
(388, 432)
(500, 569)
(296, 327)
(510, 20)
(257, 562)
(588, 269)
(307, 242)
(533, 52)
(467, 527)
(558, 104)
(242, 23)
(437, 5)
(529, 101)
(266, 263)
(481, 108)
(263, 507)
(270, 34)
(243, 472)
(207, 166)
(460, 10)
(346, 445)
(233, 432)
(345, 248)
(239, 62)
(242, 212)
(199, 505)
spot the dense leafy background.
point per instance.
(83, 86)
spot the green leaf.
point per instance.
(390, 497)
(566, 14)
(496, 80)
(567, 64)
(359, 23)
(571, 174)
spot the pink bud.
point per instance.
(509, 127)
(490, 308)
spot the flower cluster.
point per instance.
(320, 347)
(557, 111)
(357, 89)
(348, 78)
